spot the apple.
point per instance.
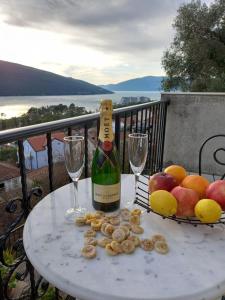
(186, 201)
(161, 181)
(216, 191)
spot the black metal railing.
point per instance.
(147, 118)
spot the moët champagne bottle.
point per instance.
(105, 165)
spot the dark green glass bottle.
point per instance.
(105, 165)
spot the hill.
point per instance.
(147, 83)
(20, 80)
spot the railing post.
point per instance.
(25, 203)
(117, 132)
(137, 120)
(164, 131)
(146, 117)
(32, 280)
(25, 207)
(141, 126)
(98, 127)
(1, 288)
(69, 131)
(50, 161)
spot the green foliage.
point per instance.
(8, 153)
(36, 182)
(49, 295)
(37, 115)
(9, 258)
(51, 113)
(3, 271)
(195, 60)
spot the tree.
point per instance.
(8, 154)
(195, 60)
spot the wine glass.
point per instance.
(74, 149)
(137, 151)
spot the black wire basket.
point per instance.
(142, 199)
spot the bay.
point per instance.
(14, 106)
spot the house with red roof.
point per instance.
(36, 150)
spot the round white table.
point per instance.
(194, 269)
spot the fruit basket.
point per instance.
(142, 199)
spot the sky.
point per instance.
(99, 41)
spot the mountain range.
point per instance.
(20, 80)
(147, 83)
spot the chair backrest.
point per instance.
(215, 152)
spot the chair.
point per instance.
(218, 148)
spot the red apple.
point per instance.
(161, 181)
(216, 191)
(186, 201)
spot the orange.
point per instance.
(178, 172)
(197, 183)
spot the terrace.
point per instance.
(177, 125)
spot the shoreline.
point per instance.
(16, 106)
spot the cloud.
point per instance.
(86, 12)
(112, 25)
(133, 33)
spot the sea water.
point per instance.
(14, 106)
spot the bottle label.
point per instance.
(106, 193)
(106, 133)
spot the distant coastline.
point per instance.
(146, 83)
(14, 106)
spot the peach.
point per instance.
(216, 191)
(176, 171)
(197, 183)
(161, 181)
(186, 201)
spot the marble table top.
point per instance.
(194, 269)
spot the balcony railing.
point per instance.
(147, 118)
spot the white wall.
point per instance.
(57, 150)
(191, 119)
(30, 156)
(42, 158)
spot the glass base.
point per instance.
(129, 204)
(132, 205)
(72, 213)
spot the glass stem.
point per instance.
(136, 185)
(76, 204)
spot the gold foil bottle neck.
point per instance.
(106, 131)
(106, 106)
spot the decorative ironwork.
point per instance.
(14, 264)
(215, 153)
(50, 161)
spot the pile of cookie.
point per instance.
(118, 231)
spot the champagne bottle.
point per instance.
(105, 165)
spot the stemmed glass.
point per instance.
(74, 149)
(137, 151)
